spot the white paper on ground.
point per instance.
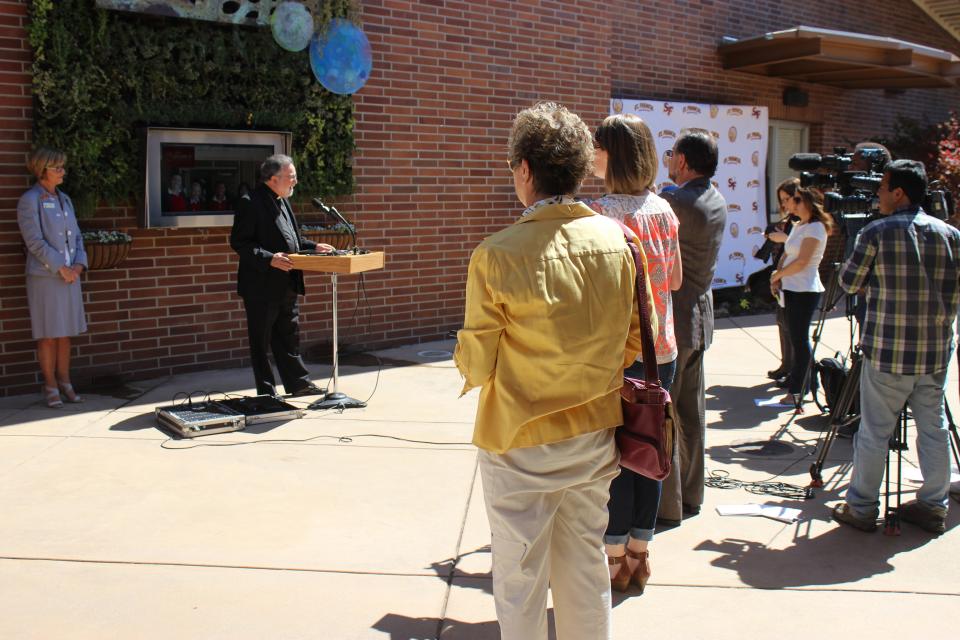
(738, 509)
(913, 475)
(783, 514)
(770, 402)
(774, 511)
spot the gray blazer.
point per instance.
(48, 224)
(702, 212)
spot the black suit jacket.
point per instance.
(702, 212)
(256, 236)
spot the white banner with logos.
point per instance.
(741, 135)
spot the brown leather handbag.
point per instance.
(646, 438)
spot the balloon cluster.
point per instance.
(340, 54)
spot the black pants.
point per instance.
(799, 308)
(275, 324)
(786, 348)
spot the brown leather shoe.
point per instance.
(927, 518)
(641, 574)
(621, 581)
(842, 514)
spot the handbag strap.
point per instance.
(646, 332)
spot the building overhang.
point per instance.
(842, 59)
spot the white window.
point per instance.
(786, 139)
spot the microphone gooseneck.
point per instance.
(339, 217)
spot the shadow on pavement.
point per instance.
(815, 561)
(402, 627)
(737, 406)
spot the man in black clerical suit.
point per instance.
(264, 232)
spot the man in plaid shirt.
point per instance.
(908, 265)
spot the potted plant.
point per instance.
(337, 235)
(106, 249)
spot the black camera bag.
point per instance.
(833, 374)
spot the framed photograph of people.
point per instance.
(194, 177)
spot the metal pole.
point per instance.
(336, 358)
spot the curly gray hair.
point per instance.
(556, 145)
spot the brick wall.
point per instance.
(432, 181)
(667, 51)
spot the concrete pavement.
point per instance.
(370, 523)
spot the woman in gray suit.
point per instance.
(55, 260)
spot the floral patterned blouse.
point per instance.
(655, 223)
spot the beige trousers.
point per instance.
(547, 507)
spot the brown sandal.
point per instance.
(641, 574)
(621, 581)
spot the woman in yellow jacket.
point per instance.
(550, 323)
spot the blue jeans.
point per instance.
(634, 499)
(882, 396)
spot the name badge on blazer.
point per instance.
(49, 205)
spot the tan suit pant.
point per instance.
(547, 507)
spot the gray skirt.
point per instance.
(56, 308)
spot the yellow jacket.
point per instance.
(550, 323)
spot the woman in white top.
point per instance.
(799, 279)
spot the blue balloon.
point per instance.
(341, 58)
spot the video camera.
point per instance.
(846, 193)
(851, 196)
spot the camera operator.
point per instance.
(907, 265)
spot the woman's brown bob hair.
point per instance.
(44, 158)
(631, 154)
(814, 201)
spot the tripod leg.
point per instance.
(891, 525)
(851, 386)
(954, 445)
(816, 469)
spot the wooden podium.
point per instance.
(334, 265)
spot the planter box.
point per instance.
(106, 256)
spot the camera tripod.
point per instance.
(898, 444)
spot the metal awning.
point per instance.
(842, 59)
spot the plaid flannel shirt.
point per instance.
(908, 263)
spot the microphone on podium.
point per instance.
(339, 217)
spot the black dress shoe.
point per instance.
(782, 383)
(777, 373)
(309, 390)
(691, 509)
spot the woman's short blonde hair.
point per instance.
(631, 153)
(556, 144)
(44, 158)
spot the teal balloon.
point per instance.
(292, 26)
(341, 58)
